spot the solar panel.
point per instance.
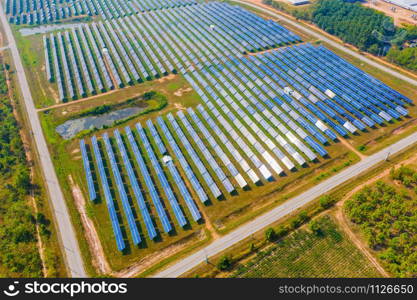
(107, 194)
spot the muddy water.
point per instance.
(71, 128)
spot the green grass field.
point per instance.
(304, 254)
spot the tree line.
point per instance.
(19, 256)
(366, 28)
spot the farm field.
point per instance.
(247, 114)
(306, 254)
(382, 215)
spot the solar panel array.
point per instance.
(262, 114)
(52, 11)
(119, 52)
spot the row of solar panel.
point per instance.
(48, 11)
(227, 153)
(40, 11)
(134, 183)
(350, 102)
(297, 75)
(165, 48)
(233, 91)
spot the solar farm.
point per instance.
(270, 106)
(101, 56)
(34, 12)
(254, 113)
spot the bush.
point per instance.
(225, 263)
(281, 232)
(149, 95)
(270, 235)
(315, 228)
(326, 202)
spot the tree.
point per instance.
(387, 214)
(270, 235)
(326, 202)
(353, 23)
(315, 227)
(225, 263)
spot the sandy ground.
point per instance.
(181, 91)
(98, 257)
(400, 15)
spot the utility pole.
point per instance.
(207, 259)
(386, 158)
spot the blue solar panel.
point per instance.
(107, 194)
(174, 172)
(161, 177)
(149, 183)
(122, 192)
(186, 167)
(136, 189)
(87, 169)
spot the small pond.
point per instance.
(71, 128)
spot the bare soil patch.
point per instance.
(155, 257)
(182, 91)
(165, 78)
(400, 15)
(98, 257)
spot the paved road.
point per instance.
(329, 41)
(65, 229)
(280, 211)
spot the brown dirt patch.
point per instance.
(98, 258)
(404, 126)
(182, 91)
(165, 78)
(179, 106)
(400, 15)
(351, 148)
(158, 256)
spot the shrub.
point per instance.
(270, 235)
(326, 202)
(315, 227)
(225, 263)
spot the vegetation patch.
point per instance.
(363, 27)
(386, 213)
(321, 251)
(108, 115)
(19, 256)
